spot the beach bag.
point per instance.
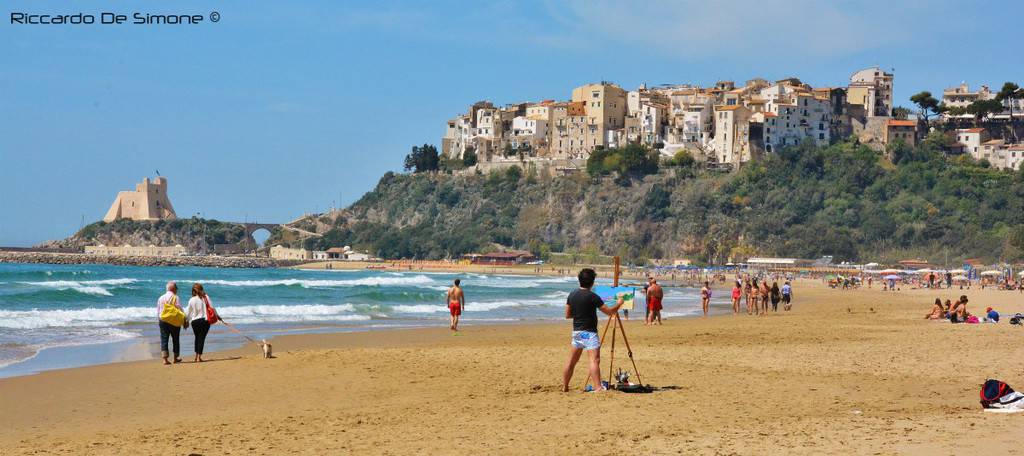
(211, 315)
(172, 315)
(973, 320)
(997, 394)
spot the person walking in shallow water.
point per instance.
(456, 303)
(196, 316)
(168, 329)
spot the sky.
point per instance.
(284, 108)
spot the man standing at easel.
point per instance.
(582, 306)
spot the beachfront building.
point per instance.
(279, 252)
(129, 250)
(149, 202)
(346, 254)
(871, 88)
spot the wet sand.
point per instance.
(846, 372)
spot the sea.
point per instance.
(61, 316)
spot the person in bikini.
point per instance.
(705, 297)
(456, 304)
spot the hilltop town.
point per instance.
(728, 125)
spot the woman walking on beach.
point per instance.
(198, 309)
(746, 295)
(776, 296)
(765, 292)
(736, 292)
(755, 293)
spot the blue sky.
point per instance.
(279, 107)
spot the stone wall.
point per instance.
(82, 258)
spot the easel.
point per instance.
(618, 327)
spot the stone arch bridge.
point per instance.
(248, 242)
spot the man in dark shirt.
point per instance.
(582, 306)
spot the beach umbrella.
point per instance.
(924, 271)
(991, 272)
(890, 271)
(960, 278)
(891, 277)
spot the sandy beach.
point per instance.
(846, 372)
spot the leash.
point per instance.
(236, 331)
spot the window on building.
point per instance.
(821, 136)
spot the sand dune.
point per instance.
(854, 372)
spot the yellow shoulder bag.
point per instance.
(171, 314)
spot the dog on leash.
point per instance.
(268, 351)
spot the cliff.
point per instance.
(843, 200)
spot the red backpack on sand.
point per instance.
(211, 315)
(992, 390)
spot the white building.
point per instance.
(732, 134)
(972, 139)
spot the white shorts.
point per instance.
(586, 340)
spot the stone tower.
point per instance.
(149, 201)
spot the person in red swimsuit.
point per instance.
(456, 302)
(654, 296)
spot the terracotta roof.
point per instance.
(972, 130)
(1016, 147)
(771, 114)
(727, 108)
(994, 142)
(902, 123)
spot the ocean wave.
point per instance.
(92, 287)
(486, 306)
(94, 317)
(16, 353)
(314, 283)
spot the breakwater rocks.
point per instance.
(82, 258)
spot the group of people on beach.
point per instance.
(172, 317)
(956, 312)
(758, 295)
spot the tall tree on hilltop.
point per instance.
(1011, 92)
(929, 106)
(422, 158)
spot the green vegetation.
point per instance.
(422, 158)
(805, 201)
(627, 162)
(194, 233)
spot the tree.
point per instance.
(422, 158)
(469, 157)
(982, 108)
(1011, 92)
(928, 104)
(901, 113)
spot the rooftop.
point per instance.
(902, 123)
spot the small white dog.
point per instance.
(268, 351)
